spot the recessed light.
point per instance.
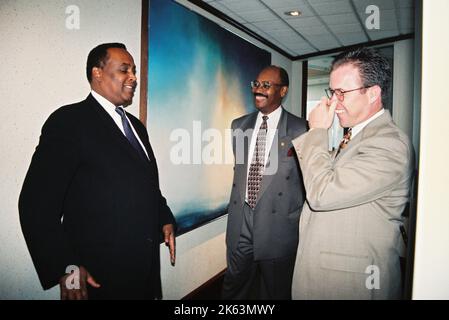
(293, 13)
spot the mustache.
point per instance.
(260, 95)
(134, 84)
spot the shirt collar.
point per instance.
(273, 117)
(359, 127)
(105, 103)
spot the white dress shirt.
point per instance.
(272, 124)
(110, 109)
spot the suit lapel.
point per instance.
(242, 169)
(142, 137)
(146, 142)
(116, 134)
(278, 150)
(382, 120)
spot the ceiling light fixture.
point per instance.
(293, 13)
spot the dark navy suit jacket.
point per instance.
(88, 199)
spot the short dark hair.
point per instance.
(374, 68)
(283, 75)
(98, 56)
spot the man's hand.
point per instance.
(169, 238)
(81, 293)
(322, 115)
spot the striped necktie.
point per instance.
(257, 166)
(344, 142)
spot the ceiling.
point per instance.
(323, 26)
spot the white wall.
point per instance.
(285, 63)
(44, 67)
(431, 276)
(316, 92)
(296, 87)
(403, 85)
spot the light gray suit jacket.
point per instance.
(350, 241)
(281, 195)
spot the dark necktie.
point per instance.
(344, 142)
(257, 166)
(130, 134)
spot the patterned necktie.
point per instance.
(130, 134)
(257, 166)
(344, 142)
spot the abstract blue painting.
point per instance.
(198, 81)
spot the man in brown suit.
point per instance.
(350, 240)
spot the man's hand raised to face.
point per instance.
(322, 115)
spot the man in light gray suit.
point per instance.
(350, 239)
(267, 195)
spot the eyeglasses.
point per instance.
(340, 93)
(264, 84)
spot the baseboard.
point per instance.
(210, 290)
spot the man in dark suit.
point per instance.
(91, 201)
(267, 195)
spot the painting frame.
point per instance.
(255, 62)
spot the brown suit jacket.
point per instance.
(350, 241)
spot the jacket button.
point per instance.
(233, 185)
(280, 194)
(235, 202)
(288, 178)
(274, 211)
(150, 240)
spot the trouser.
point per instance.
(249, 279)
